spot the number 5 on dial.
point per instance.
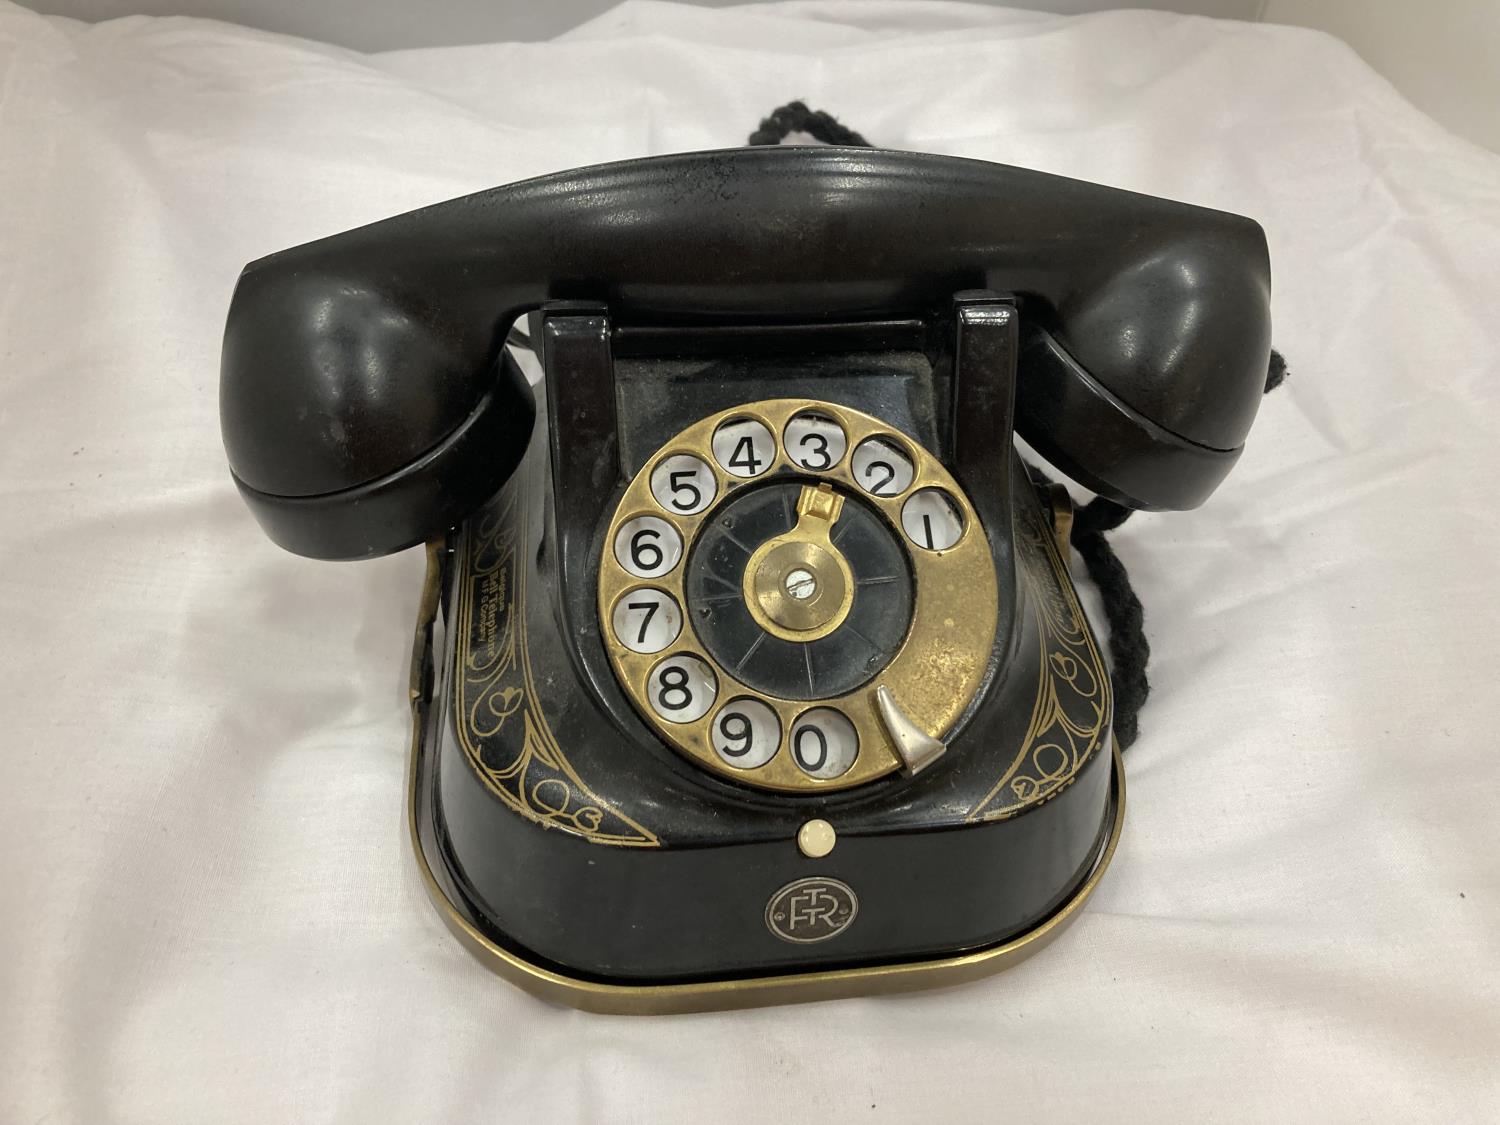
(684, 484)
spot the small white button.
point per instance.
(881, 469)
(647, 546)
(932, 520)
(746, 733)
(815, 442)
(647, 620)
(816, 838)
(745, 448)
(824, 743)
(684, 484)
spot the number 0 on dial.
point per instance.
(824, 743)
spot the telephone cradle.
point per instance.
(749, 668)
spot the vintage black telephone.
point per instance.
(749, 666)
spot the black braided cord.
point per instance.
(1129, 651)
(795, 117)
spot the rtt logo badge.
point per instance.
(810, 910)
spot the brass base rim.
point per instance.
(616, 998)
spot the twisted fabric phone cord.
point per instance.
(795, 117)
(1129, 651)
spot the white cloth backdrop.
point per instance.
(209, 910)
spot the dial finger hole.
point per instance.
(745, 733)
(932, 520)
(815, 441)
(647, 620)
(824, 743)
(881, 468)
(745, 448)
(682, 688)
(648, 546)
(684, 484)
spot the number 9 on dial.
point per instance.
(745, 733)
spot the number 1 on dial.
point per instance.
(932, 520)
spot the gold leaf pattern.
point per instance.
(495, 690)
(1069, 718)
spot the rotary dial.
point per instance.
(796, 596)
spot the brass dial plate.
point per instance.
(938, 666)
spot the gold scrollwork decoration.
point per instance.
(495, 690)
(1070, 718)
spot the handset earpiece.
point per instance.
(359, 418)
(367, 403)
(1144, 386)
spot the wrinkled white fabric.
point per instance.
(208, 911)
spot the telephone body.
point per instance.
(749, 667)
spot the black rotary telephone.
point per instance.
(749, 667)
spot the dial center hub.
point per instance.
(743, 603)
(798, 589)
(798, 585)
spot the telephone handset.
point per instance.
(749, 666)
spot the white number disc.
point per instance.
(682, 689)
(745, 448)
(824, 743)
(932, 520)
(815, 442)
(648, 547)
(647, 620)
(746, 733)
(881, 469)
(684, 484)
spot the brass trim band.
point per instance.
(751, 992)
(715, 995)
